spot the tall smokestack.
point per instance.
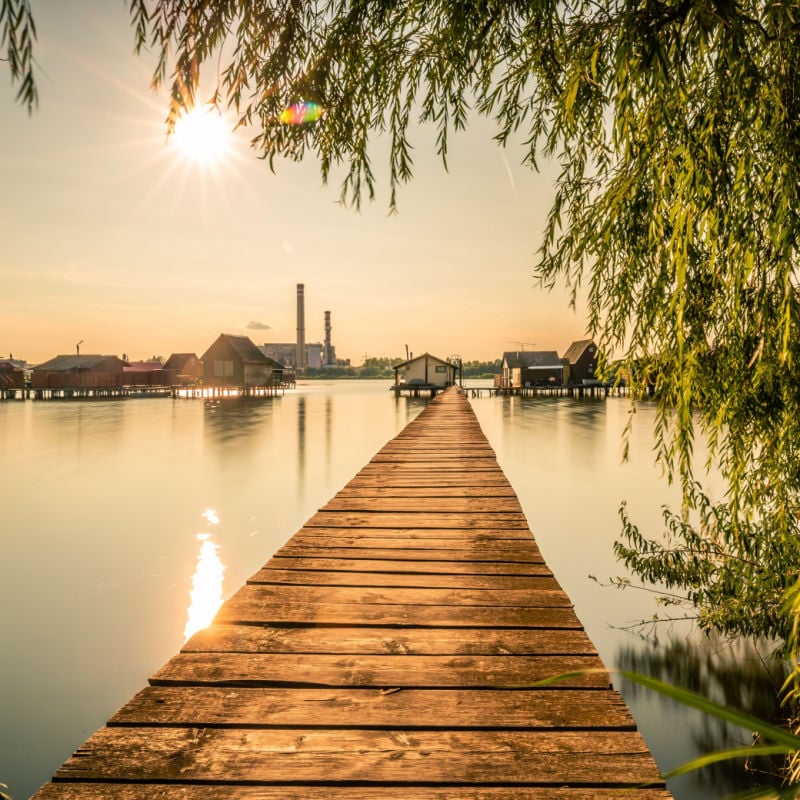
(301, 326)
(328, 351)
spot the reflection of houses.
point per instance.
(12, 376)
(582, 359)
(531, 368)
(425, 373)
(236, 361)
(186, 367)
(78, 372)
(146, 373)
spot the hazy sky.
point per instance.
(109, 236)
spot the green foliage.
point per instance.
(17, 35)
(677, 131)
(481, 369)
(328, 374)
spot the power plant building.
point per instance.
(300, 354)
(286, 353)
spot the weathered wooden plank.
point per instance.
(460, 535)
(384, 579)
(427, 505)
(426, 443)
(271, 595)
(322, 560)
(269, 756)
(413, 519)
(120, 791)
(476, 555)
(385, 671)
(475, 467)
(481, 539)
(227, 707)
(362, 639)
(466, 460)
(246, 612)
(380, 490)
(372, 477)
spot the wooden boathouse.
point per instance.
(388, 651)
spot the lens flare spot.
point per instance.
(301, 113)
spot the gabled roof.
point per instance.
(577, 349)
(67, 363)
(532, 359)
(419, 358)
(178, 360)
(9, 366)
(244, 348)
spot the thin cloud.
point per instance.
(258, 326)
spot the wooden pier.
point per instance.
(579, 391)
(388, 651)
(206, 392)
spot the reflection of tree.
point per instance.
(733, 674)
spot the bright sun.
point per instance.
(202, 135)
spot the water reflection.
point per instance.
(235, 418)
(301, 445)
(734, 674)
(206, 594)
(328, 432)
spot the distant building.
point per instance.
(146, 373)
(79, 372)
(236, 361)
(12, 376)
(286, 353)
(283, 352)
(315, 355)
(426, 371)
(531, 368)
(582, 359)
(17, 362)
(186, 367)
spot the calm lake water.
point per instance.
(109, 508)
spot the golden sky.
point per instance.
(109, 237)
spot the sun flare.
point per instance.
(202, 136)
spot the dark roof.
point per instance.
(424, 355)
(532, 359)
(66, 363)
(178, 360)
(576, 350)
(9, 366)
(244, 348)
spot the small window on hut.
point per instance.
(441, 368)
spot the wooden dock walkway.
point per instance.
(386, 652)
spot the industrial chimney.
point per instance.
(328, 349)
(301, 327)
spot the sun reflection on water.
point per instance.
(206, 592)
